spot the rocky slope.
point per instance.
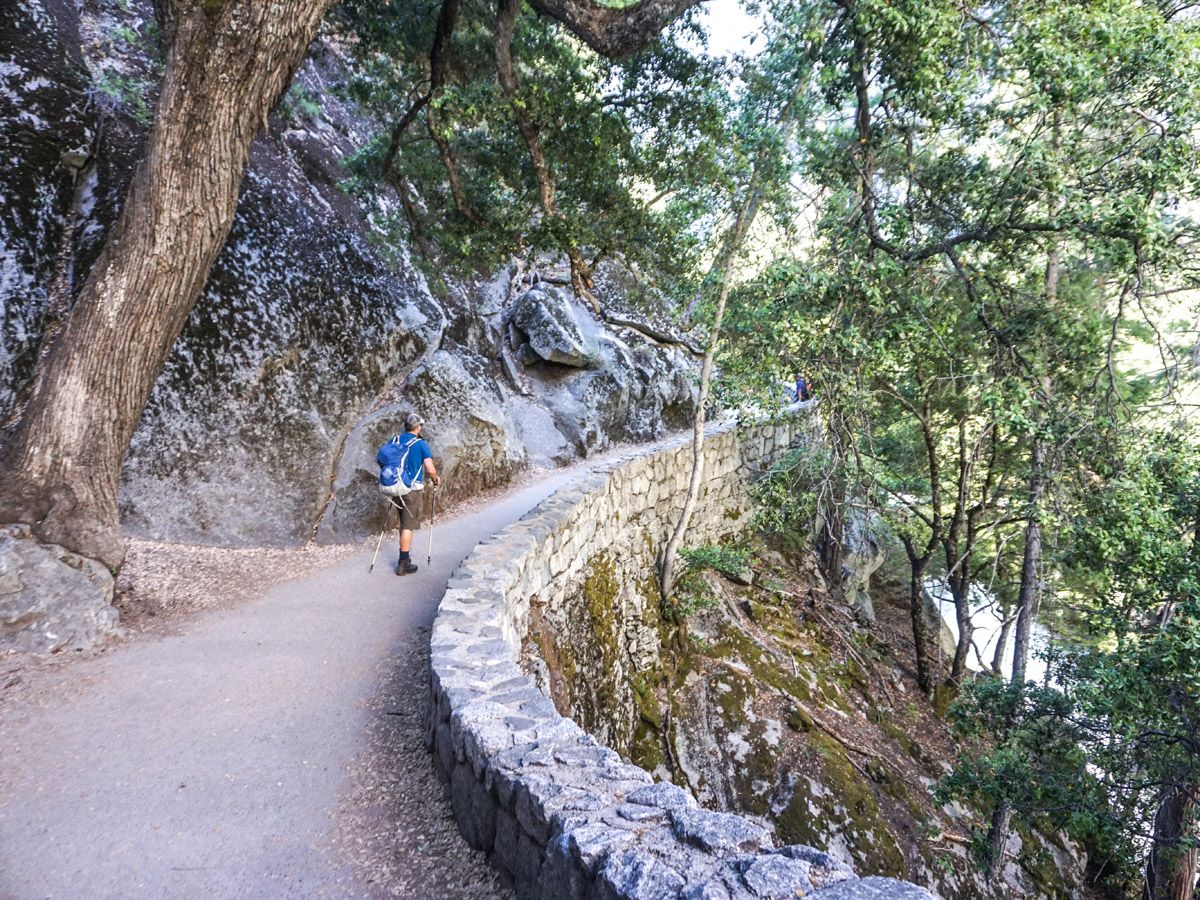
(312, 338)
(782, 703)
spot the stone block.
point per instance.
(583, 756)
(532, 814)
(444, 756)
(505, 847)
(514, 697)
(826, 869)
(777, 876)
(478, 732)
(873, 888)
(723, 834)
(590, 845)
(473, 809)
(502, 782)
(561, 876)
(633, 875)
(709, 890)
(634, 812)
(529, 866)
(561, 732)
(624, 772)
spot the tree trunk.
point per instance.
(831, 541)
(997, 837)
(966, 631)
(1031, 565)
(227, 65)
(916, 603)
(1172, 867)
(916, 599)
(741, 225)
(1002, 643)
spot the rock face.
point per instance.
(311, 337)
(51, 599)
(863, 555)
(756, 697)
(543, 325)
(467, 423)
(47, 132)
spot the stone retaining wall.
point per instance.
(560, 813)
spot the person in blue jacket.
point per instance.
(418, 465)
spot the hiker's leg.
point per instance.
(409, 523)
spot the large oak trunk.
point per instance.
(227, 65)
(1173, 863)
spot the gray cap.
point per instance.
(412, 420)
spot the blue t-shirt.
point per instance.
(414, 463)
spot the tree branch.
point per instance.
(451, 166)
(439, 66)
(610, 31)
(506, 20)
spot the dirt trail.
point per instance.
(269, 748)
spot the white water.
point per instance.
(987, 619)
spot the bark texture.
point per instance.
(227, 64)
(1172, 867)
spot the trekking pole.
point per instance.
(387, 517)
(432, 516)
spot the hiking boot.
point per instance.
(405, 567)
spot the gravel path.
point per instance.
(270, 748)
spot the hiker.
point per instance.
(802, 390)
(405, 461)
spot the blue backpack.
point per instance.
(391, 458)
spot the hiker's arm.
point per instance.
(431, 471)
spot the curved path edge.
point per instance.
(560, 814)
(268, 748)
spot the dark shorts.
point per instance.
(411, 507)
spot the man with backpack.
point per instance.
(404, 463)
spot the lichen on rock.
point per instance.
(51, 599)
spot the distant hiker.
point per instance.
(802, 390)
(404, 461)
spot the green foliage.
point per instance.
(692, 593)
(787, 495)
(730, 560)
(616, 136)
(1034, 761)
(993, 195)
(127, 92)
(964, 209)
(1094, 752)
(299, 103)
